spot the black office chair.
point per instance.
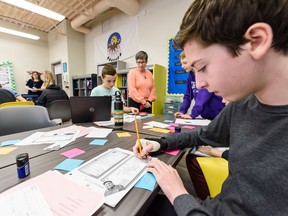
(60, 109)
(15, 119)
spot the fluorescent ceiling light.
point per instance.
(36, 9)
(18, 33)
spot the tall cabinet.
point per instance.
(83, 84)
(159, 74)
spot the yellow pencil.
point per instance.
(138, 136)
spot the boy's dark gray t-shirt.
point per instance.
(258, 163)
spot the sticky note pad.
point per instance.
(9, 142)
(160, 130)
(98, 142)
(147, 182)
(72, 153)
(6, 150)
(172, 152)
(188, 127)
(168, 121)
(69, 164)
(125, 134)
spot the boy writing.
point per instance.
(238, 50)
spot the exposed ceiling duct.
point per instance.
(130, 7)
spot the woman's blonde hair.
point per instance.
(49, 78)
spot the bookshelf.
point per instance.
(159, 74)
(83, 84)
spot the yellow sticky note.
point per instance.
(125, 134)
(6, 150)
(160, 130)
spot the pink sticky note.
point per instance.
(173, 124)
(73, 153)
(172, 152)
(188, 127)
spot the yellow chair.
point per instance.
(17, 103)
(215, 171)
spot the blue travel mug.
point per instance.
(22, 162)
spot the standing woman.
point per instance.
(34, 84)
(141, 86)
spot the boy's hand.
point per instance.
(147, 147)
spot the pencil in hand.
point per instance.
(138, 136)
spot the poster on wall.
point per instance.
(177, 77)
(7, 79)
(119, 44)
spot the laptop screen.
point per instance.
(90, 109)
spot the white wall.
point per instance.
(158, 22)
(25, 54)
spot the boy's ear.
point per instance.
(259, 37)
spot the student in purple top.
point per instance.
(207, 104)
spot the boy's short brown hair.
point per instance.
(108, 69)
(225, 22)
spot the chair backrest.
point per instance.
(16, 119)
(60, 109)
(17, 103)
(215, 171)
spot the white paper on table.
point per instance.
(49, 137)
(120, 166)
(26, 201)
(196, 122)
(64, 197)
(105, 123)
(198, 153)
(99, 133)
(157, 124)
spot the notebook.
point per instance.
(90, 109)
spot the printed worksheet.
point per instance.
(112, 173)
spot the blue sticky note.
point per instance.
(69, 164)
(169, 121)
(98, 142)
(9, 142)
(147, 182)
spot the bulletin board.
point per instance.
(177, 77)
(7, 75)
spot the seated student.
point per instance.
(17, 96)
(207, 104)
(51, 93)
(238, 50)
(108, 88)
(6, 96)
(195, 172)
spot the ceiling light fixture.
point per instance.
(18, 33)
(36, 9)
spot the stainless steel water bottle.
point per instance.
(118, 110)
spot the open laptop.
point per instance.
(90, 109)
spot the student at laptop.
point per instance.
(108, 88)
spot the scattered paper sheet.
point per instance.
(112, 173)
(99, 133)
(196, 122)
(64, 197)
(157, 124)
(26, 201)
